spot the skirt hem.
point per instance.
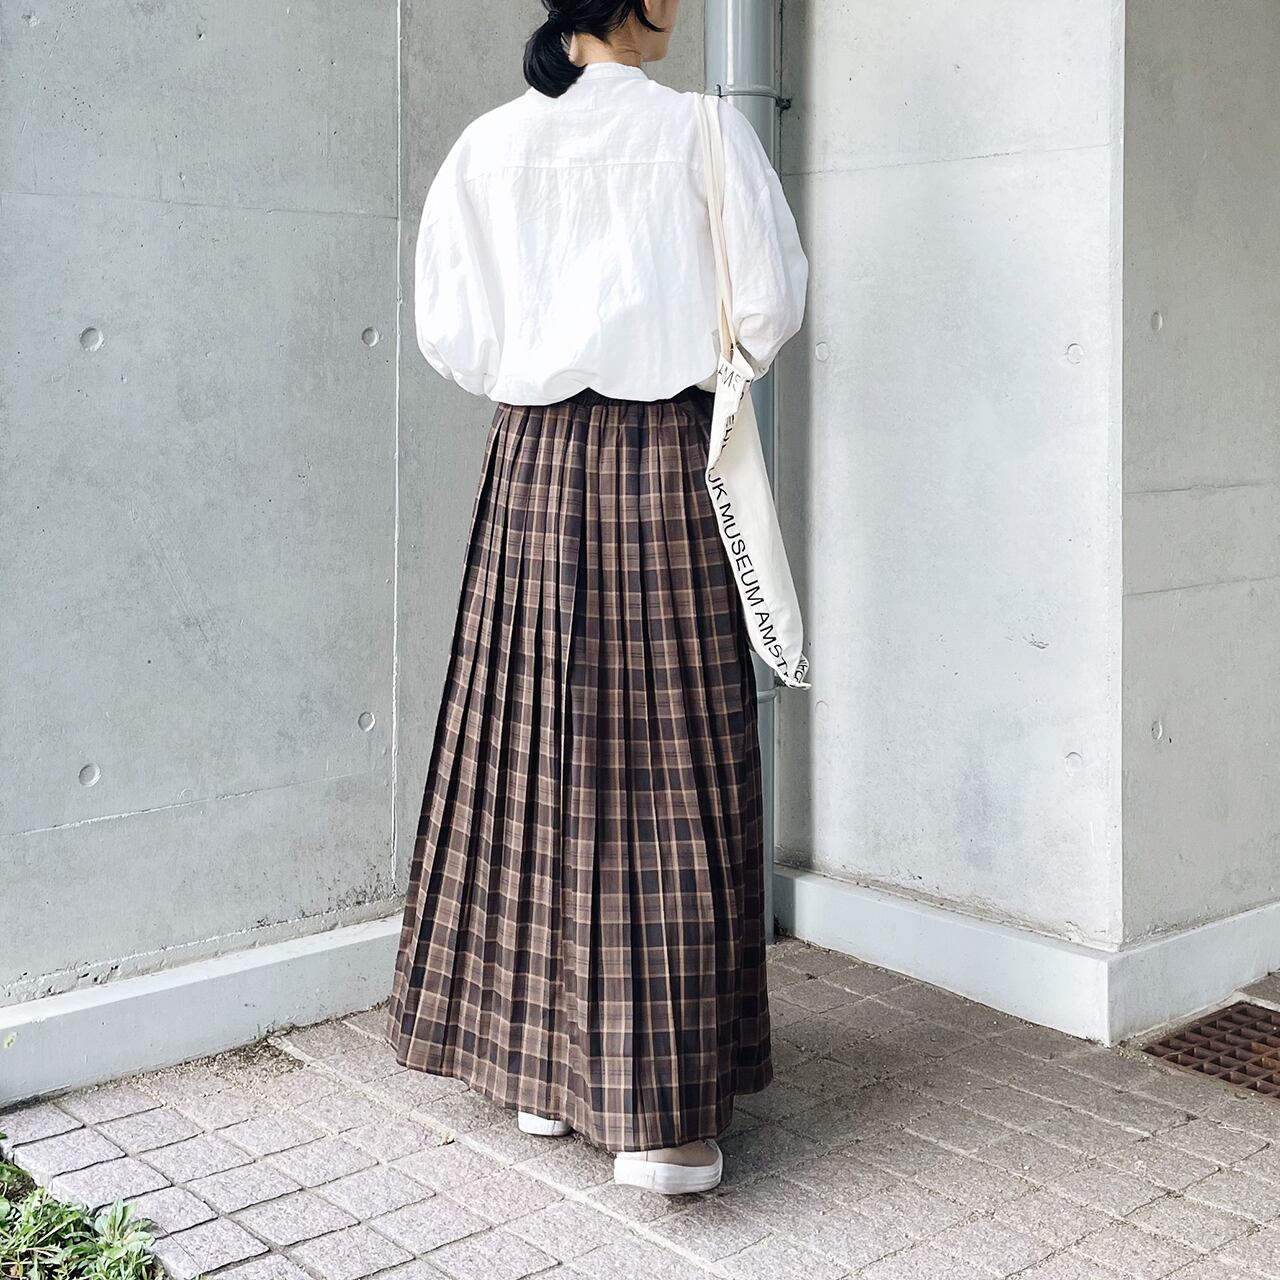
(508, 1101)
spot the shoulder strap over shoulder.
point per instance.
(708, 106)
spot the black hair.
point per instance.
(546, 55)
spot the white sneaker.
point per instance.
(541, 1127)
(672, 1171)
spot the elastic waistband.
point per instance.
(693, 395)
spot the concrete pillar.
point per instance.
(1039, 525)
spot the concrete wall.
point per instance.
(1201, 462)
(950, 484)
(200, 214)
(234, 494)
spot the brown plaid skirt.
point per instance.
(584, 931)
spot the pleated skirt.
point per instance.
(584, 931)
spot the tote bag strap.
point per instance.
(713, 166)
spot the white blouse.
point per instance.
(564, 244)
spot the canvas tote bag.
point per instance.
(736, 476)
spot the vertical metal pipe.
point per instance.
(741, 50)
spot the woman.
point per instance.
(584, 935)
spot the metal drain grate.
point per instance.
(1239, 1044)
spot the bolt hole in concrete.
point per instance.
(1157, 321)
(89, 775)
(1075, 353)
(366, 720)
(370, 337)
(1239, 1044)
(91, 338)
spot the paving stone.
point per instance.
(923, 1261)
(264, 1135)
(1025, 1154)
(919, 1211)
(1088, 1134)
(811, 961)
(766, 1150)
(461, 1113)
(831, 1124)
(448, 1165)
(899, 1152)
(291, 1088)
(346, 1109)
(1262, 1164)
(350, 1254)
(992, 1246)
(1189, 1223)
(412, 1090)
(566, 1229)
(855, 1241)
(495, 1255)
(928, 1038)
(371, 1022)
(188, 1254)
(172, 1209)
(1107, 1189)
(777, 1101)
(824, 1078)
(1258, 1253)
(30, 1124)
(776, 1258)
(504, 1142)
(421, 1269)
(160, 1127)
(1213, 1269)
(818, 996)
(1133, 1252)
(348, 1053)
(220, 1110)
(634, 1204)
(840, 1178)
(238, 1188)
(1051, 1217)
(111, 1102)
(867, 980)
(196, 1158)
(271, 1266)
(430, 1223)
(710, 1230)
(974, 1183)
(1236, 1192)
(634, 1259)
(1156, 1161)
(1069, 1266)
(1212, 1141)
(782, 1206)
(957, 1129)
(104, 1183)
(392, 1139)
(45, 1158)
(374, 1191)
(294, 1218)
(177, 1084)
(570, 1164)
(1042, 1042)
(505, 1195)
(1011, 1106)
(321, 1161)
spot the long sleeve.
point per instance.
(457, 297)
(767, 266)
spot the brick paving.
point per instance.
(909, 1135)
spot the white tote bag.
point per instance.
(736, 476)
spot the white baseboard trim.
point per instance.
(1099, 994)
(100, 1033)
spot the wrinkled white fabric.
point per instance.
(564, 243)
